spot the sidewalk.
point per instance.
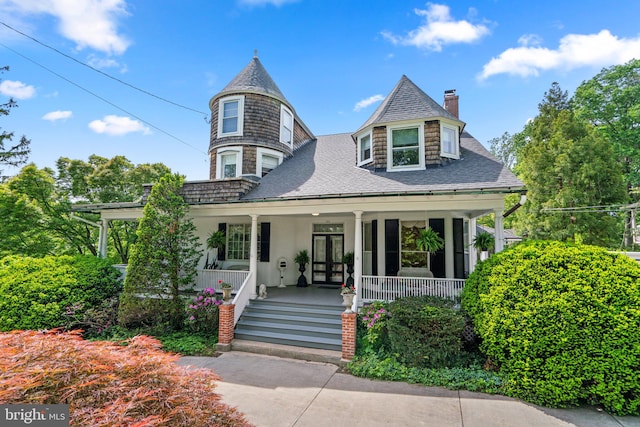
(274, 392)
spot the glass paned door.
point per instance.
(327, 258)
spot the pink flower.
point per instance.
(192, 318)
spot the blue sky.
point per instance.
(334, 60)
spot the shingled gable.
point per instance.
(407, 102)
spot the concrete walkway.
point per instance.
(276, 392)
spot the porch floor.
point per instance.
(312, 294)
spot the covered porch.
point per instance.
(260, 235)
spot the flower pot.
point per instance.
(347, 301)
(302, 280)
(226, 294)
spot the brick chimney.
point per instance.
(451, 102)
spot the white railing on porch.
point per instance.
(211, 278)
(387, 288)
(241, 299)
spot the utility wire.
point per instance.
(103, 73)
(103, 99)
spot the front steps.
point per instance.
(291, 324)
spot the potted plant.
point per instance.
(216, 242)
(226, 290)
(302, 259)
(484, 241)
(429, 241)
(348, 292)
(347, 259)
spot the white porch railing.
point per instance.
(387, 288)
(241, 299)
(211, 278)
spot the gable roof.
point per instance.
(254, 78)
(326, 168)
(407, 102)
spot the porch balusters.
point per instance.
(388, 288)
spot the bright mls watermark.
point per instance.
(34, 415)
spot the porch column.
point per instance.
(473, 253)
(499, 230)
(253, 256)
(357, 260)
(448, 248)
(102, 237)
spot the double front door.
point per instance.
(326, 262)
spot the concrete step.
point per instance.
(291, 339)
(246, 326)
(288, 351)
(301, 325)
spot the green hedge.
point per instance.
(35, 293)
(425, 331)
(561, 322)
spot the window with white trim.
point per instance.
(238, 241)
(449, 141)
(364, 149)
(231, 116)
(286, 126)
(229, 163)
(405, 147)
(267, 160)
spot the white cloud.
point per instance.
(366, 102)
(276, 3)
(17, 89)
(118, 125)
(57, 115)
(89, 23)
(439, 29)
(100, 63)
(574, 51)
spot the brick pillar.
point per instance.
(225, 327)
(348, 335)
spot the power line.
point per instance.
(105, 74)
(104, 99)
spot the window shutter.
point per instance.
(391, 247)
(458, 248)
(437, 258)
(221, 253)
(265, 237)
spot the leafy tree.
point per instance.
(102, 180)
(12, 154)
(611, 102)
(58, 233)
(573, 167)
(21, 232)
(163, 259)
(36, 206)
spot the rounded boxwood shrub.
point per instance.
(425, 331)
(37, 293)
(561, 322)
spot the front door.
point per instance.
(327, 259)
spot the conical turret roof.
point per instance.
(407, 102)
(254, 78)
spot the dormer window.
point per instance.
(364, 149)
(229, 163)
(405, 147)
(449, 141)
(286, 126)
(230, 116)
